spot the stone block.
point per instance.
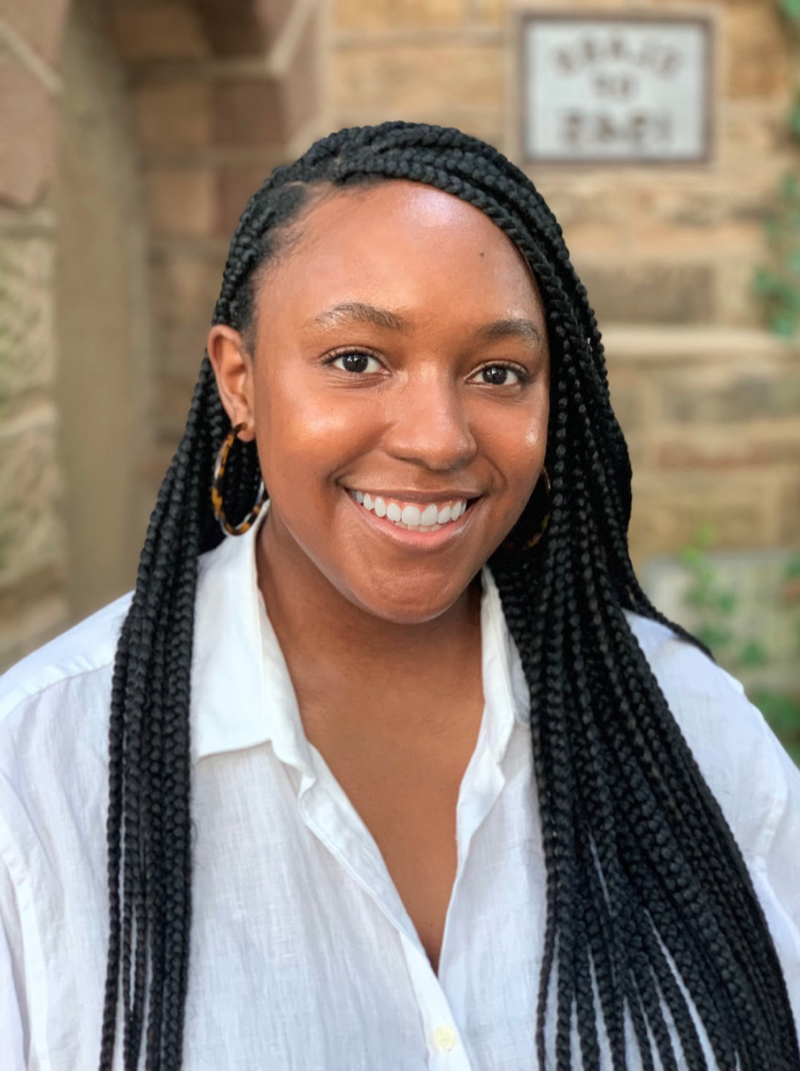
(790, 511)
(173, 115)
(737, 303)
(159, 31)
(649, 293)
(272, 14)
(173, 398)
(585, 201)
(184, 290)
(721, 395)
(630, 398)
(485, 123)
(27, 345)
(669, 508)
(301, 81)
(249, 112)
(755, 43)
(402, 77)
(40, 23)
(490, 12)
(235, 186)
(28, 144)
(181, 201)
(728, 447)
(241, 27)
(355, 15)
(31, 533)
(28, 620)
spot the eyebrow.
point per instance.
(361, 313)
(513, 327)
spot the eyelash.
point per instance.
(523, 376)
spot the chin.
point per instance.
(407, 600)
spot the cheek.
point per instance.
(516, 442)
(304, 436)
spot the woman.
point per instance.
(371, 801)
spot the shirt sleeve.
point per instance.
(753, 779)
(782, 878)
(12, 1029)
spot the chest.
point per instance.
(406, 794)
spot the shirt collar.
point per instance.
(242, 694)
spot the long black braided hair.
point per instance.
(650, 908)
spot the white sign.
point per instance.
(606, 89)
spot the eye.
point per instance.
(500, 375)
(356, 362)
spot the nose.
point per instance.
(428, 425)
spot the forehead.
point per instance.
(406, 243)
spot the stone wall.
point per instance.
(32, 548)
(709, 401)
(222, 92)
(217, 92)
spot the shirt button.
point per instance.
(445, 1038)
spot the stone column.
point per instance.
(32, 552)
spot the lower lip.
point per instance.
(407, 537)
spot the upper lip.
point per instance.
(418, 496)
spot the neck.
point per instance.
(333, 646)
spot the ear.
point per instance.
(233, 368)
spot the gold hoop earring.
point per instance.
(216, 489)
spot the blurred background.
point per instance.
(133, 131)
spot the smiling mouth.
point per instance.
(417, 516)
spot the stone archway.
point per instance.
(168, 113)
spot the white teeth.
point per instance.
(429, 519)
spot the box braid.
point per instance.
(651, 915)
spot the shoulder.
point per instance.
(738, 755)
(89, 646)
(55, 703)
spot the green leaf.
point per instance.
(791, 9)
(784, 325)
(726, 602)
(792, 571)
(752, 654)
(713, 636)
(706, 535)
(790, 186)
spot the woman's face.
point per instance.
(399, 388)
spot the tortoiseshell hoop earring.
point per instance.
(532, 542)
(511, 545)
(216, 489)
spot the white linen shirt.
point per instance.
(303, 957)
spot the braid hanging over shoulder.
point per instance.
(652, 919)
